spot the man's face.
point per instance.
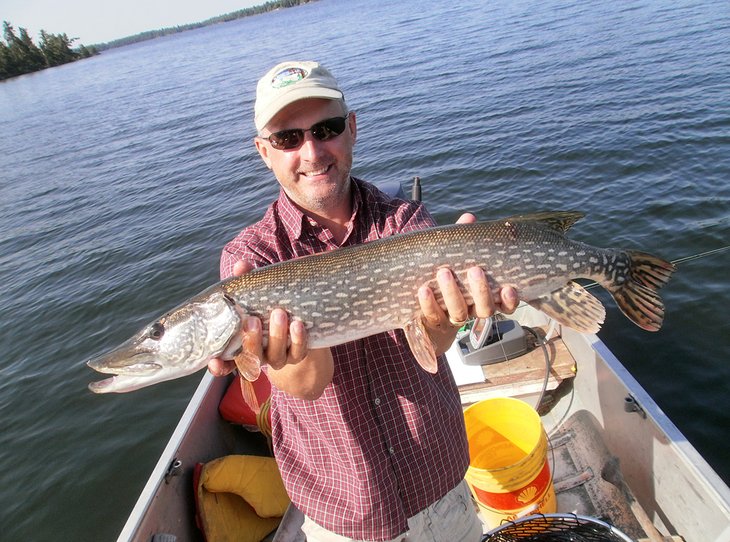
(316, 174)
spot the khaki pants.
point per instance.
(450, 519)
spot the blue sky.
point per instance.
(97, 21)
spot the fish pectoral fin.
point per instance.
(421, 345)
(249, 395)
(248, 364)
(574, 307)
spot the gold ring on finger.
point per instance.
(458, 323)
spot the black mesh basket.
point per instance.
(556, 528)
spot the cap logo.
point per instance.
(288, 76)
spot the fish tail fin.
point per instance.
(638, 295)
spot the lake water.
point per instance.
(123, 175)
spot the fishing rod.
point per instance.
(679, 261)
(700, 255)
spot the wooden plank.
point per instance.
(525, 374)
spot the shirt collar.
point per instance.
(291, 216)
(295, 221)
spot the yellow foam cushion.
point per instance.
(240, 498)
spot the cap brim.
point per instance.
(270, 111)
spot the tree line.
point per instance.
(19, 55)
(271, 5)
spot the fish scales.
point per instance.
(420, 254)
(357, 291)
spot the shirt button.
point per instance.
(377, 401)
(391, 450)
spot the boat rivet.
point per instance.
(174, 469)
(630, 405)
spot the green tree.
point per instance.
(6, 69)
(57, 49)
(22, 55)
(19, 55)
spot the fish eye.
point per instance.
(157, 330)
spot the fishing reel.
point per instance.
(491, 340)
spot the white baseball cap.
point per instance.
(289, 82)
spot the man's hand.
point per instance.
(287, 343)
(443, 325)
(218, 366)
(293, 367)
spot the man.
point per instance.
(370, 446)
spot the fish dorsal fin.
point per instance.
(560, 221)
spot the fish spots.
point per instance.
(535, 279)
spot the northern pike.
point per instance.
(354, 292)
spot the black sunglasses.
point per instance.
(286, 140)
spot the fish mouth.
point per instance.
(102, 385)
(117, 363)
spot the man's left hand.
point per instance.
(441, 324)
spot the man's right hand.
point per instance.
(292, 366)
(218, 366)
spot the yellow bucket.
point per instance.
(508, 474)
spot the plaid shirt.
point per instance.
(386, 439)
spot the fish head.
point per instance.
(176, 344)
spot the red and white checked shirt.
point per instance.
(386, 439)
